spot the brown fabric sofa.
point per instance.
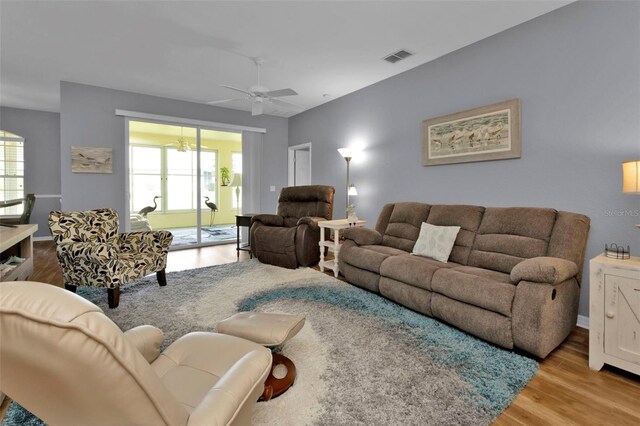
(513, 276)
(290, 237)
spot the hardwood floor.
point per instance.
(563, 392)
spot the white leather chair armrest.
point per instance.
(236, 391)
(147, 339)
(241, 365)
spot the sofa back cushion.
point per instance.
(569, 238)
(99, 225)
(400, 223)
(307, 200)
(507, 236)
(468, 218)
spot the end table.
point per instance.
(334, 246)
(243, 219)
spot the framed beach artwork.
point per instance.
(487, 133)
(89, 159)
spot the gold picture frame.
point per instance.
(487, 133)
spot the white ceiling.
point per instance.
(185, 50)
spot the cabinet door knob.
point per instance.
(610, 314)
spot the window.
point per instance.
(236, 167)
(11, 170)
(181, 172)
(145, 176)
(171, 174)
(209, 171)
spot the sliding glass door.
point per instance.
(176, 182)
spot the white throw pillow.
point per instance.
(435, 242)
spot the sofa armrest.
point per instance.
(268, 219)
(157, 242)
(147, 340)
(93, 252)
(548, 270)
(312, 221)
(362, 236)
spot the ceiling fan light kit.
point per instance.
(259, 94)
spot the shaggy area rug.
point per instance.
(361, 359)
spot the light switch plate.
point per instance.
(272, 188)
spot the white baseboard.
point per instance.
(49, 238)
(583, 322)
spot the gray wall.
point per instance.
(87, 118)
(577, 74)
(41, 132)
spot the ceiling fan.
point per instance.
(261, 95)
(181, 144)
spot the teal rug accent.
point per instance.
(496, 375)
(361, 359)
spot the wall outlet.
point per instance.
(272, 188)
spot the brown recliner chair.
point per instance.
(290, 237)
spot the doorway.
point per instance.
(300, 164)
(181, 179)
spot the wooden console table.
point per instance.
(17, 241)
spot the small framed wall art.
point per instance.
(90, 159)
(491, 132)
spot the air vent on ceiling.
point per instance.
(397, 56)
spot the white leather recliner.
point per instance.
(65, 361)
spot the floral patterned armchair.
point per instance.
(92, 253)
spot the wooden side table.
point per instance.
(17, 241)
(334, 246)
(614, 314)
(243, 219)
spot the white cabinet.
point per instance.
(614, 313)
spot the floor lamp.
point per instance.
(237, 183)
(347, 154)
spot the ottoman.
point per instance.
(267, 329)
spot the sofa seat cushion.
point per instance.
(485, 273)
(370, 257)
(413, 270)
(474, 290)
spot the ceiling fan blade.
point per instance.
(237, 90)
(225, 100)
(285, 104)
(281, 92)
(257, 108)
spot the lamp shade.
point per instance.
(352, 190)
(237, 180)
(346, 152)
(631, 177)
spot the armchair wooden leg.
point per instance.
(113, 295)
(162, 278)
(71, 288)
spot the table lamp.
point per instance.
(631, 178)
